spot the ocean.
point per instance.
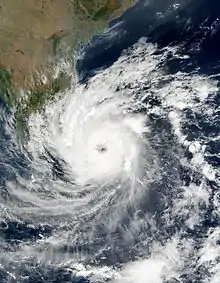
(118, 179)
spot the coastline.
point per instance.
(36, 37)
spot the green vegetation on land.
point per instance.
(34, 35)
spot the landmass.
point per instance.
(34, 36)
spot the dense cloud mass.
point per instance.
(119, 179)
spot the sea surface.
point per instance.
(118, 179)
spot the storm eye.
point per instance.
(101, 148)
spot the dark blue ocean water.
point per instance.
(194, 25)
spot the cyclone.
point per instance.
(118, 179)
(103, 141)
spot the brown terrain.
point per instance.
(31, 29)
